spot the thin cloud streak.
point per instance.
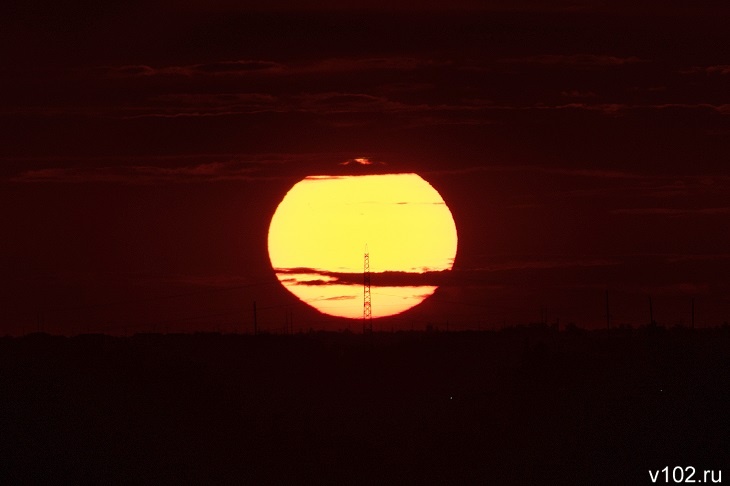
(210, 281)
(321, 103)
(253, 67)
(290, 88)
(676, 258)
(463, 112)
(135, 174)
(225, 168)
(564, 171)
(378, 279)
(614, 109)
(576, 60)
(516, 265)
(222, 68)
(434, 278)
(672, 211)
(723, 69)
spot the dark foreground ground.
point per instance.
(515, 407)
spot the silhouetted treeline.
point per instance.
(523, 405)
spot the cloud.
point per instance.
(676, 258)
(394, 63)
(576, 93)
(339, 297)
(165, 170)
(723, 69)
(610, 109)
(245, 66)
(565, 171)
(235, 104)
(137, 174)
(272, 86)
(718, 69)
(222, 282)
(328, 103)
(307, 276)
(443, 277)
(250, 67)
(178, 105)
(603, 187)
(590, 173)
(576, 60)
(672, 211)
(362, 161)
(181, 105)
(237, 67)
(723, 109)
(541, 264)
(216, 100)
(131, 70)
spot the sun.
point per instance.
(320, 230)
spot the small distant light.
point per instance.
(451, 398)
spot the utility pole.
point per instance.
(693, 312)
(608, 313)
(651, 313)
(255, 323)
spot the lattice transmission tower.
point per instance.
(367, 323)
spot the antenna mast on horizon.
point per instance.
(651, 313)
(367, 324)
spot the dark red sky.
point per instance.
(581, 146)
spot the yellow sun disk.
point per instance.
(324, 223)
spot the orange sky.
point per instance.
(580, 146)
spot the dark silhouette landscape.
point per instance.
(523, 405)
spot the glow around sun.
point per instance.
(321, 229)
